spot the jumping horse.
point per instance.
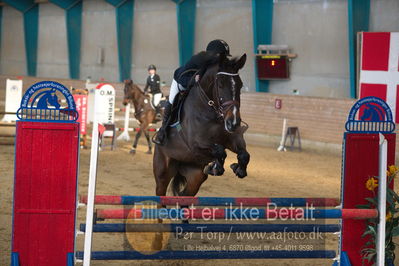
(209, 122)
(144, 112)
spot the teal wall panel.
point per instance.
(186, 12)
(30, 12)
(73, 17)
(124, 32)
(358, 20)
(1, 22)
(31, 29)
(262, 20)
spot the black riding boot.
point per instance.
(161, 134)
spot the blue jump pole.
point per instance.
(205, 228)
(236, 213)
(187, 255)
(213, 201)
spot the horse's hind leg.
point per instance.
(164, 170)
(195, 177)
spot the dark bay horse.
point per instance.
(143, 112)
(210, 122)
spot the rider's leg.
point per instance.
(174, 90)
(157, 99)
(161, 135)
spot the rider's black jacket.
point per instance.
(153, 84)
(200, 61)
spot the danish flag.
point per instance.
(379, 68)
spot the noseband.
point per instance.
(220, 107)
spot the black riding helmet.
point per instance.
(150, 67)
(218, 46)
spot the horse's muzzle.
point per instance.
(232, 119)
(231, 126)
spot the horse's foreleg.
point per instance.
(216, 167)
(136, 140)
(238, 146)
(144, 127)
(147, 136)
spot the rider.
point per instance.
(183, 75)
(152, 85)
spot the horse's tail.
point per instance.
(178, 184)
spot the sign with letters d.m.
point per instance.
(105, 103)
(13, 99)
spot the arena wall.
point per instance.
(319, 119)
(315, 29)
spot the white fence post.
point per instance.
(283, 136)
(125, 134)
(91, 87)
(91, 188)
(382, 199)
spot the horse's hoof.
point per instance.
(241, 173)
(132, 151)
(214, 169)
(149, 152)
(234, 167)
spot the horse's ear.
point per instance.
(241, 62)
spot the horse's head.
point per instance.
(131, 91)
(227, 90)
(372, 113)
(53, 99)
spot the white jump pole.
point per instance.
(382, 199)
(91, 191)
(281, 147)
(125, 134)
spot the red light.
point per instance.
(272, 68)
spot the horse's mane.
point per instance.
(134, 86)
(137, 88)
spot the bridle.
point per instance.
(221, 108)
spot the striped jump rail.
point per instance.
(213, 201)
(236, 213)
(137, 129)
(188, 255)
(205, 228)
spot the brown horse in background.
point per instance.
(143, 112)
(210, 122)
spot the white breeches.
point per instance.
(174, 90)
(157, 98)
